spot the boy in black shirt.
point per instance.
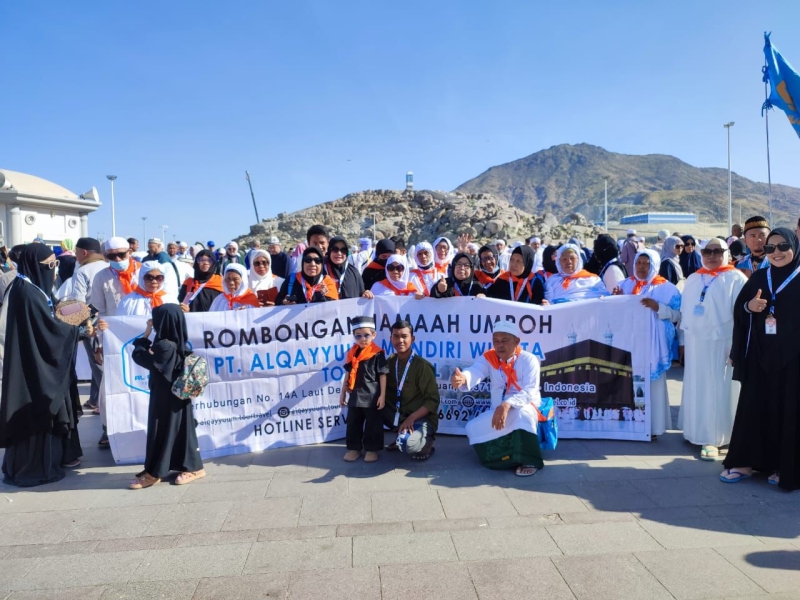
(366, 384)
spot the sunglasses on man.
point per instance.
(117, 255)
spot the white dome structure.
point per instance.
(32, 207)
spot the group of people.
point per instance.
(716, 314)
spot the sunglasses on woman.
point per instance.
(117, 255)
(339, 249)
(158, 278)
(783, 247)
(396, 267)
(53, 264)
(712, 252)
(312, 259)
(260, 263)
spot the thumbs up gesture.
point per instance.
(757, 304)
(457, 379)
(442, 286)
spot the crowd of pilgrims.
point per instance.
(726, 309)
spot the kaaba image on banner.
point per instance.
(590, 372)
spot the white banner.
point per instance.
(276, 373)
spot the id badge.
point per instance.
(699, 310)
(771, 325)
(397, 418)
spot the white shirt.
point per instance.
(83, 278)
(107, 292)
(527, 368)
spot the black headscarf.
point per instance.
(307, 252)
(605, 249)
(383, 247)
(690, 260)
(488, 248)
(198, 274)
(30, 265)
(779, 274)
(549, 259)
(528, 255)
(336, 271)
(170, 324)
(464, 284)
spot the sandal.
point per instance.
(709, 453)
(420, 456)
(352, 455)
(392, 447)
(143, 480)
(371, 457)
(738, 476)
(526, 471)
(189, 476)
(774, 479)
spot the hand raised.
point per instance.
(757, 304)
(457, 379)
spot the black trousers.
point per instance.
(364, 429)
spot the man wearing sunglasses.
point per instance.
(756, 230)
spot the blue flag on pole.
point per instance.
(784, 83)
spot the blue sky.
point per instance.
(319, 99)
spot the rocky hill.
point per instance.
(419, 216)
(566, 178)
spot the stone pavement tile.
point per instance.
(12, 570)
(461, 504)
(694, 574)
(736, 510)
(676, 492)
(708, 532)
(179, 519)
(163, 590)
(602, 538)
(449, 524)
(555, 473)
(162, 493)
(546, 499)
(403, 548)
(361, 583)
(523, 521)
(334, 510)
(41, 550)
(217, 538)
(307, 483)
(111, 523)
(37, 528)
(387, 482)
(611, 495)
(489, 544)
(297, 533)
(442, 581)
(192, 563)
(750, 491)
(74, 593)
(406, 506)
(233, 464)
(770, 527)
(229, 490)
(82, 570)
(774, 567)
(521, 579)
(576, 450)
(374, 529)
(300, 555)
(596, 516)
(263, 514)
(280, 460)
(609, 577)
(618, 469)
(272, 586)
(679, 466)
(56, 499)
(154, 542)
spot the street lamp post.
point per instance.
(605, 207)
(144, 230)
(112, 178)
(730, 195)
(374, 228)
(164, 233)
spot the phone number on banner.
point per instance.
(455, 413)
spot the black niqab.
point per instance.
(30, 265)
(170, 324)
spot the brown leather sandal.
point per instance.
(189, 477)
(143, 480)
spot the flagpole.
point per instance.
(766, 116)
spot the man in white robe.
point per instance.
(506, 435)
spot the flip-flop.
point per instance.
(518, 474)
(774, 479)
(420, 457)
(741, 476)
(706, 454)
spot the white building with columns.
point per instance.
(32, 207)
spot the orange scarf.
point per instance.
(364, 355)
(214, 283)
(442, 268)
(156, 298)
(126, 277)
(507, 368)
(518, 283)
(638, 285)
(309, 291)
(420, 275)
(407, 291)
(248, 298)
(375, 265)
(715, 272)
(485, 279)
(579, 275)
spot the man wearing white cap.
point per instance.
(538, 254)
(503, 254)
(183, 251)
(505, 436)
(629, 250)
(280, 260)
(659, 245)
(364, 255)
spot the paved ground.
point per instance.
(602, 520)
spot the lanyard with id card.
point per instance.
(699, 309)
(771, 323)
(400, 383)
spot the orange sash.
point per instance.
(409, 289)
(579, 275)
(507, 368)
(126, 277)
(715, 272)
(485, 279)
(638, 285)
(365, 354)
(308, 291)
(518, 283)
(248, 298)
(214, 283)
(156, 299)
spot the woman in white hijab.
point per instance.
(150, 292)
(263, 283)
(443, 253)
(572, 282)
(398, 280)
(236, 293)
(425, 275)
(664, 299)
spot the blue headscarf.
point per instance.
(690, 261)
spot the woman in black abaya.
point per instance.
(171, 436)
(198, 292)
(519, 283)
(38, 414)
(766, 360)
